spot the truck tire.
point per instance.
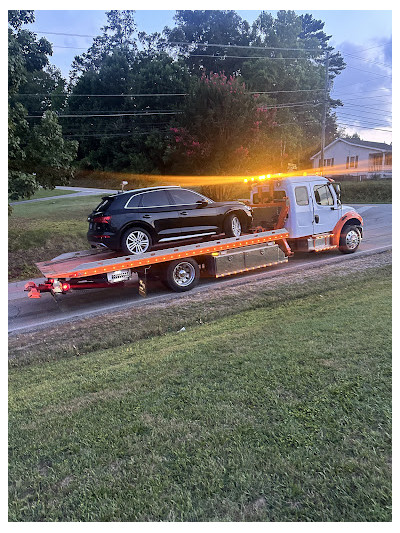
(136, 241)
(182, 275)
(232, 226)
(350, 239)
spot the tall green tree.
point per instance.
(205, 28)
(30, 145)
(119, 139)
(119, 33)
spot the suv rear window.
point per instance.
(104, 204)
(134, 201)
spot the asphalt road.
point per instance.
(27, 314)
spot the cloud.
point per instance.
(364, 87)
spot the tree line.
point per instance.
(211, 95)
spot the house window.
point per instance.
(327, 162)
(375, 162)
(388, 159)
(352, 161)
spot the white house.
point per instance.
(354, 158)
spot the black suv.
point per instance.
(134, 221)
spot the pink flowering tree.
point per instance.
(221, 129)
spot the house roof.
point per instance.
(381, 147)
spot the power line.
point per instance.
(105, 95)
(362, 127)
(367, 107)
(196, 44)
(369, 112)
(368, 97)
(113, 115)
(247, 57)
(371, 122)
(377, 74)
(210, 45)
(368, 60)
(66, 34)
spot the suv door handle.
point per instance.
(183, 213)
(146, 216)
(316, 218)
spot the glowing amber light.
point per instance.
(245, 180)
(268, 176)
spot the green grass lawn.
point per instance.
(273, 414)
(39, 231)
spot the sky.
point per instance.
(364, 38)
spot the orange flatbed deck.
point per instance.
(92, 262)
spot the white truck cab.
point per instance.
(314, 208)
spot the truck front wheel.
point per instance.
(350, 239)
(182, 275)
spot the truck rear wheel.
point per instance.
(350, 239)
(182, 275)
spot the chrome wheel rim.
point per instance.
(352, 239)
(184, 273)
(137, 242)
(236, 227)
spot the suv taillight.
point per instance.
(102, 220)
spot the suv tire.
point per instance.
(136, 241)
(232, 225)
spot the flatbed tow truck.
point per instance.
(291, 214)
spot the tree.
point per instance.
(38, 155)
(118, 34)
(220, 130)
(122, 142)
(203, 28)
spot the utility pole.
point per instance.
(326, 92)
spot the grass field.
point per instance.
(42, 230)
(278, 413)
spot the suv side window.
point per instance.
(301, 194)
(134, 201)
(155, 199)
(183, 196)
(323, 195)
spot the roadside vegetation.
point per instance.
(276, 413)
(39, 231)
(367, 192)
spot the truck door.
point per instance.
(326, 212)
(304, 211)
